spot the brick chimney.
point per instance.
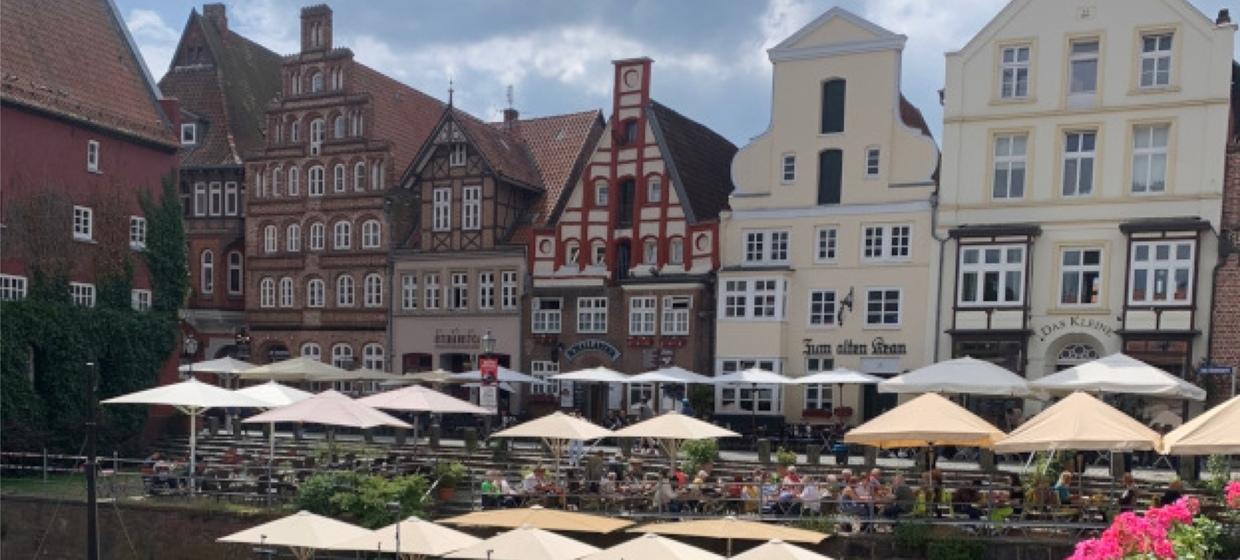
(1224, 17)
(216, 14)
(511, 116)
(316, 28)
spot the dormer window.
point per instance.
(189, 134)
(457, 157)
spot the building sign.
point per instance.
(848, 347)
(456, 338)
(488, 398)
(488, 370)
(1076, 323)
(593, 345)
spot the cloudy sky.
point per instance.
(710, 60)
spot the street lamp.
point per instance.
(488, 342)
(486, 386)
(189, 349)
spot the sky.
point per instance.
(710, 55)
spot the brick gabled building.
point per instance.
(224, 83)
(316, 234)
(1225, 330)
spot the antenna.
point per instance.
(509, 96)
(451, 90)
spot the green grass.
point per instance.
(126, 488)
(56, 486)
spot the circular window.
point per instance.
(544, 247)
(702, 242)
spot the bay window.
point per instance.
(1161, 273)
(992, 275)
(753, 298)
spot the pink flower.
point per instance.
(1233, 494)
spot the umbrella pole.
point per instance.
(193, 447)
(271, 458)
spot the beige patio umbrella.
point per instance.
(297, 370)
(926, 421)
(275, 395)
(329, 408)
(776, 549)
(1079, 422)
(433, 376)
(418, 539)
(732, 528)
(226, 368)
(556, 430)
(421, 399)
(672, 429)
(541, 518)
(303, 532)
(526, 543)
(1213, 432)
(650, 547)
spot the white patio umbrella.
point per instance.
(753, 377)
(526, 543)
(556, 430)
(673, 428)
(226, 367)
(191, 397)
(651, 546)
(418, 538)
(593, 375)
(504, 375)
(962, 376)
(421, 399)
(1119, 373)
(300, 369)
(730, 528)
(276, 396)
(776, 549)
(1213, 432)
(672, 374)
(838, 377)
(303, 532)
(329, 408)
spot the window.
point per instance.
(442, 209)
(759, 298)
(642, 315)
(1082, 72)
(189, 134)
(432, 291)
(318, 235)
(828, 238)
(1078, 163)
(1162, 273)
(267, 293)
(882, 307)
(459, 296)
(676, 315)
(650, 251)
(12, 288)
(216, 199)
(676, 250)
(200, 199)
(887, 243)
(372, 357)
(140, 300)
(486, 290)
(232, 199)
(294, 181)
(508, 289)
(830, 177)
(206, 272)
(818, 397)
(277, 179)
(292, 238)
(339, 126)
(766, 247)
(83, 223)
(822, 308)
(342, 356)
(137, 233)
(1149, 158)
(1080, 277)
(371, 234)
(789, 168)
(316, 79)
(260, 183)
(543, 370)
(1156, 60)
(82, 294)
(338, 178)
(833, 106)
(598, 253)
(546, 315)
(572, 252)
(628, 133)
(1014, 72)
(992, 275)
(344, 291)
(654, 189)
(1009, 178)
(873, 156)
(294, 133)
(317, 133)
(312, 351)
(376, 176)
(316, 292)
(457, 155)
(741, 398)
(92, 156)
(600, 192)
(234, 273)
(591, 315)
(286, 292)
(409, 292)
(342, 235)
(357, 123)
(372, 290)
(270, 239)
(471, 208)
(315, 181)
(359, 176)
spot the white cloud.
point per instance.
(156, 40)
(780, 19)
(271, 23)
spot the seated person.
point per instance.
(1174, 492)
(490, 492)
(535, 482)
(901, 499)
(965, 500)
(810, 497)
(664, 495)
(607, 485)
(1063, 488)
(1128, 496)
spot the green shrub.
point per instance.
(911, 538)
(955, 550)
(362, 498)
(700, 452)
(1219, 467)
(449, 473)
(785, 458)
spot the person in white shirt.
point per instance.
(533, 482)
(811, 498)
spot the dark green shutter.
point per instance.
(830, 166)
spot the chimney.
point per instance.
(1224, 17)
(511, 116)
(215, 13)
(316, 28)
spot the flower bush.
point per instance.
(1233, 494)
(1168, 532)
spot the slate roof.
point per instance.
(74, 58)
(699, 161)
(231, 94)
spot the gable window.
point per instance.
(592, 315)
(342, 356)
(286, 292)
(359, 176)
(267, 293)
(650, 251)
(216, 199)
(12, 288)
(344, 291)
(318, 235)
(234, 273)
(409, 291)
(471, 208)
(1009, 172)
(821, 308)
(82, 294)
(833, 92)
(628, 132)
(206, 271)
(508, 289)
(882, 307)
(140, 300)
(294, 181)
(676, 251)
(1082, 72)
(431, 292)
(371, 234)
(83, 223)
(315, 177)
(598, 254)
(189, 134)
(788, 169)
(442, 209)
(600, 192)
(1149, 158)
(137, 233)
(92, 156)
(654, 190)
(460, 291)
(458, 154)
(486, 290)
(827, 238)
(1156, 60)
(873, 157)
(338, 178)
(830, 176)
(766, 247)
(676, 315)
(270, 239)
(887, 242)
(757, 298)
(372, 290)
(200, 199)
(312, 350)
(545, 317)
(316, 291)
(1080, 277)
(992, 275)
(232, 199)
(1078, 163)
(292, 238)
(572, 252)
(642, 315)
(1014, 72)
(624, 214)
(1161, 273)
(342, 235)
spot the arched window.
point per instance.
(316, 133)
(270, 239)
(207, 271)
(572, 252)
(654, 190)
(316, 82)
(277, 179)
(311, 350)
(359, 176)
(356, 121)
(339, 176)
(267, 293)
(318, 235)
(371, 236)
(372, 357)
(295, 82)
(342, 235)
(286, 292)
(342, 356)
(294, 181)
(315, 177)
(344, 291)
(339, 126)
(650, 251)
(234, 273)
(598, 253)
(676, 250)
(315, 293)
(292, 238)
(372, 290)
(376, 176)
(294, 132)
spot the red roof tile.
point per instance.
(559, 145)
(406, 117)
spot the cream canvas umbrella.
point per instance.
(541, 518)
(593, 375)
(732, 528)
(672, 374)
(300, 369)
(328, 408)
(926, 421)
(226, 367)
(651, 546)
(503, 375)
(776, 549)
(838, 376)
(303, 532)
(753, 377)
(1213, 432)
(433, 376)
(526, 543)
(1079, 422)
(1119, 373)
(421, 399)
(673, 428)
(418, 538)
(276, 396)
(961, 376)
(556, 430)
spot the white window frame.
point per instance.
(642, 315)
(287, 293)
(137, 233)
(471, 207)
(543, 370)
(650, 251)
(1146, 156)
(372, 236)
(318, 236)
(206, 271)
(1075, 159)
(200, 199)
(1083, 97)
(1012, 70)
(1004, 268)
(215, 198)
(1008, 162)
(546, 320)
(292, 238)
(314, 181)
(592, 315)
(1079, 270)
(819, 396)
(873, 162)
(312, 350)
(822, 308)
(359, 176)
(441, 209)
(342, 355)
(346, 293)
(508, 289)
(458, 295)
(409, 291)
(885, 293)
(339, 178)
(431, 290)
(83, 223)
(316, 293)
(140, 300)
(654, 189)
(677, 313)
(92, 156)
(13, 287)
(237, 268)
(826, 244)
(189, 134)
(232, 199)
(730, 399)
(676, 251)
(600, 192)
(1168, 266)
(267, 293)
(372, 290)
(458, 154)
(373, 357)
(82, 294)
(294, 181)
(271, 241)
(1154, 57)
(738, 298)
(788, 168)
(277, 177)
(486, 290)
(767, 247)
(886, 242)
(342, 235)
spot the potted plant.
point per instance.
(785, 458)
(449, 474)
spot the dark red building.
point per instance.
(1225, 331)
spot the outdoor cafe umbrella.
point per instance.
(730, 528)
(276, 396)
(526, 543)
(776, 549)
(753, 377)
(542, 518)
(961, 376)
(226, 367)
(672, 374)
(556, 430)
(839, 377)
(503, 374)
(328, 408)
(303, 532)
(433, 376)
(416, 398)
(300, 369)
(1119, 373)
(1213, 432)
(593, 375)
(926, 421)
(418, 537)
(651, 546)
(671, 429)
(191, 397)
(1079, 422)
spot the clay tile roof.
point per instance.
(74, 58)
(404, 116)
(699, 161)
(559, 145)
(504, 152)
(911, 116)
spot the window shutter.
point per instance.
(830, 166)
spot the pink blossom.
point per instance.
(1233, 494)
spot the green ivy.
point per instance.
(362, 498)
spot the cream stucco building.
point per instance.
(1082, 176)
(827, 250)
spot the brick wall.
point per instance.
(1226, 330)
